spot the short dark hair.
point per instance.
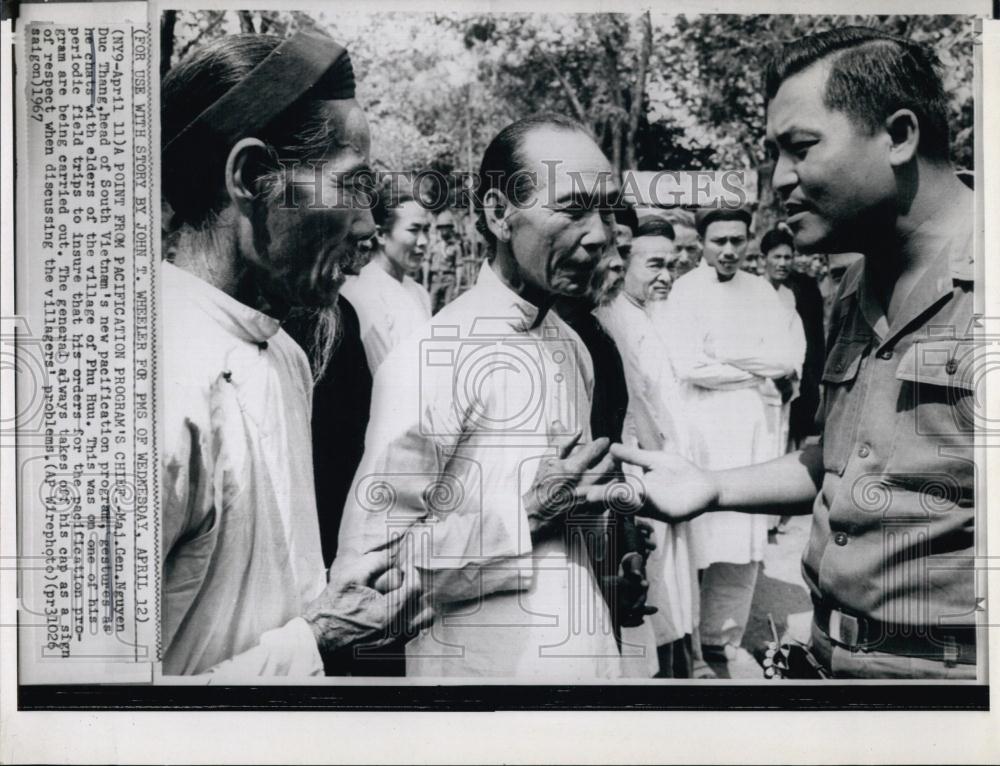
(625, 215)
(872, 75)
(391, 194)
(709, 215)
(774, 238)
(503, 162)
(654, 226)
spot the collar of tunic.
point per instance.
(237, 318)
(510, 309)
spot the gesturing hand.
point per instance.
(672, 488)
(553, 492)
(368, 600)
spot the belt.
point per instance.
(951, 645)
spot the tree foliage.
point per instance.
(658, 92)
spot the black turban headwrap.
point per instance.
(305, 63)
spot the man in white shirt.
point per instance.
(654, 419)
(729, 345)
(480, 431)
(244, 590)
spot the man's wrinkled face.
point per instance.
(305, 250)
(778, 264)
(833, 175)
(725, 246)
(688, 246)
(562, 227)
(647, 273)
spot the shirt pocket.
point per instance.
(936, 409)
(842, 397)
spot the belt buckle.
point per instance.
(844, 628)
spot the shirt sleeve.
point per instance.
(286, 651)
(415, 481)
(684, 331)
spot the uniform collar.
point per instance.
(236, 318)
(953, 266)
(955, 263)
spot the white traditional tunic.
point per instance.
(778, 414)
(241, 552)
(727, 341)
(463, 412)
(388, 310)
(655, 421)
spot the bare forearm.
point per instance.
(790, 482)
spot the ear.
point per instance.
(242, 171)
(904, 133)
(497, 211)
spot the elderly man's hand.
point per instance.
(554, 491)
(368, 601)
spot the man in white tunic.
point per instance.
(470, 447)
(654, 419)
(244, 591)
(731, 349)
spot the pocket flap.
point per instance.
(843, 361)
(946, 362)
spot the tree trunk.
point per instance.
(638, 91)
(167, 23)
(246, 22)
(574, 102)
(618, 108)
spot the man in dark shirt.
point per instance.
(857, 121)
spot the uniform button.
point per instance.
(865, 451)
(951, 367)
(840, 539)
(838, 368)
(886, 354)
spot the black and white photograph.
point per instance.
(470, 359)
(467, 373)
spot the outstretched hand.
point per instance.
(672, 489)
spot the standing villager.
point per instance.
(655, 420)
(730, 347)
(480, 431)
(447, 256)
(244, 589)
(389, 302)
